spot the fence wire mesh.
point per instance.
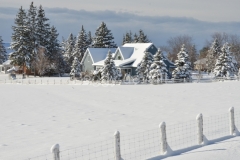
(237, 120)
(141, 146)
(42, 157)
(182, 135)
(216, 126)
(103, 150)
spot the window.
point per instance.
(119, 57)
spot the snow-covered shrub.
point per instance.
(183, 70)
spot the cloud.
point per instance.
(158, 28)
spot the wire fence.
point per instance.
(130, 81)
(145, 145)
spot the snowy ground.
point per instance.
(34, 117)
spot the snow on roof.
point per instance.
(126, 51)
(99, 54)
(139, 49)
(7, 62)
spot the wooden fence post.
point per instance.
(55, 151)
(232, 121)
(163, 138)
(117, 150)
(199, 119)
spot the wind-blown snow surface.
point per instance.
(34, 117)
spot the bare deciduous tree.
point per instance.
(41, 61)
(174, 45)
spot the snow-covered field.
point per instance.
(34, 117)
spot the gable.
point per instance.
(118, 56)
(152, 49)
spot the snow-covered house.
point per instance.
(128, 57)
(94, 55)
(5, 66)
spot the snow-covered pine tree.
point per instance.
(81, 45)
(135, 38)
(32, 28)
(124, 39)
(158, 68)
(54, 52)
(224, 66)
(89, 39)
(69, 46)
(109, 70)
(127, 38)
(3, 53)
(103, 37)
(144, 67)
(183, 70)
(142, 38)
(75, 68)
(42, 29)
(192, 55)
(212, 55)
(20, 41)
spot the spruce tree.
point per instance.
(109, 70)
(127, 38)
(81, 45)
(212, 55)
(224, 66)
(3, 53)
(76, 68)
(103, 37)
(142, 38)
(69, 46)
(144, 66)
(20, 41)
(42, 29)
(158, 67)
(89, 39)
(183, 70)
(135, 38)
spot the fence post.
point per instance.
(163, 138)
(232, 122)
(200, 128)
(117, 150)
(55, 151)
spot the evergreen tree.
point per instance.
(32, 26)
(42, 29)
(142, 38)
(20, 41)
(144, 66)
(81, 45)
(135, 38)
(109, 70)
(3, 53)
(76, 68)
(54, 52)
(212, 55)
(193, 55)
(127, 38)
(69, 46)
(183, 69)
(89, 39)
(158, 67)
(224, 66)
(103, 37)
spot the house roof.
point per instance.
(98, 54)
(126, 51)
(139, 49)
(118, 63)
(7, 62)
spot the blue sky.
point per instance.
(160, 19)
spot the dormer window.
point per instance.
(119, 57)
